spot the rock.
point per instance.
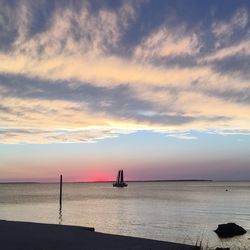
(229, 230)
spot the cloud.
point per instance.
(166, 42)
(241, 48)
(230, 132)
(102, 70)
(37, 136)
(33, 104)
(231, 37)
(118, 101)
(184, 136)
(73, 31)
(66, 51)
(223, 30)
(68, 77)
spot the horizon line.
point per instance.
(111, 181)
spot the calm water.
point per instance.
(173, 211)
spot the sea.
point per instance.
(178, 211)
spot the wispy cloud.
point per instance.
(166, 42)
(223, 30)
(184, 136)
(37, 136)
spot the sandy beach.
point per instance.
(36, 236)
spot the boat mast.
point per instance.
(121, 175)
(118, 177)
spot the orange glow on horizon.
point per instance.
(97, 175)
(97, 178)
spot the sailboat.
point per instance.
(119, 180)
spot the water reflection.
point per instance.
(159, 210)
(60, 218)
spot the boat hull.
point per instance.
(120, 184)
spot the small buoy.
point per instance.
(226, 190)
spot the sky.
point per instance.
(158, 88)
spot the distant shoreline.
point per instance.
(181, 180)
(129, 181)
(54, 182)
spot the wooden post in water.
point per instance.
(60, 201)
